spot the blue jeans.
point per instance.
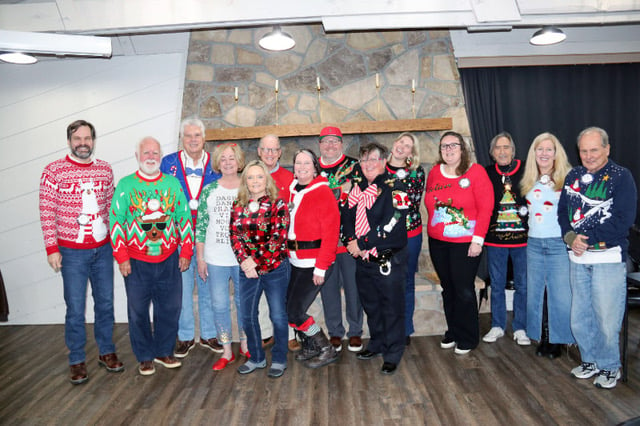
(78, 266)
(597, 308)
(343, 274)
(548, 268)
(414, 246)
(186, 324)
(274, 285)
(159, 284)
(498, 258)
(218, 281)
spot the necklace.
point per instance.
(506, 176)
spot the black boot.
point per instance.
(327, 353)
(544, 347)
(554, 351)
(309, 349)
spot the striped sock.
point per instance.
(312, 330)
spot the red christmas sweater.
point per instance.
(314, 216)
(74, 204)
(459, 207)
(283, 178)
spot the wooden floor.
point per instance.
(499, 383)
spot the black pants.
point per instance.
(457, 273)
(382, 298)
(300, 295)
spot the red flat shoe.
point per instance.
(222, 363)
(245, 354)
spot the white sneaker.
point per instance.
(494, 334)
(607, 379)
(459, 351)
(520, 336)
(585, 370)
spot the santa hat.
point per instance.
(331, 131)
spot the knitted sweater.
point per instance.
(314, 216)
(601, 206)
(283, 178)
(508, 227)
(260, 234)
(412, 181)
(459, 207)
(173, 164)
(542, 201)
(149, 218)
(74, 204)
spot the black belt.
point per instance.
(303, 245)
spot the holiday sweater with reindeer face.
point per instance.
(508, 227)
(600, 205)
(459, 206)
(149, 219)
(74, 204)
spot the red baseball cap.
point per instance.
(331, 131)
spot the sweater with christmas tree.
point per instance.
(149, 219)
(508, 227)
(74, 204)
(600, 205)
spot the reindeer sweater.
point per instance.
(149, 219)
(74, 204)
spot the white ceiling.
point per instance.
(599, 26)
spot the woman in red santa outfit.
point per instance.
(312, 242)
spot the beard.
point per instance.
(149, 167)
(80, 152)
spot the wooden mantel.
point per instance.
(356, 127)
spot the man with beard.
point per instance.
(150, 219)
(75, 195)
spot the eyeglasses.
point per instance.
(270, 150)
(449, 146)
(331, 141)
(371, 160)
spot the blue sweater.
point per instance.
(601, 205)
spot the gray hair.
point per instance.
(604, 137)
(191, 121)
(507, 135)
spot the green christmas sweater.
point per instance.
(149, 219)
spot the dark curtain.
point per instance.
(563, 100)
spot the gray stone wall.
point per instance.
(346, 64)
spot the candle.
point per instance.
(236, 94)
(413, 85)
(276, 85)
(377, 80)
(318, 82)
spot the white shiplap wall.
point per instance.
(126, 98)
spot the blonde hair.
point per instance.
(217, 153)
(244, 195)
(561, 164)
(414, 158)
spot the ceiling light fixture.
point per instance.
(55, 44)
(547, 36)
(17, 58)
(277, 40)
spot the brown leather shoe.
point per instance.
(111, 363)
(78, 373)
(183, 347)
(212, 344)
(146, 368)
(168, 361)
(294, 345)
(336, 342)
(355, 344)
(268, 342)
